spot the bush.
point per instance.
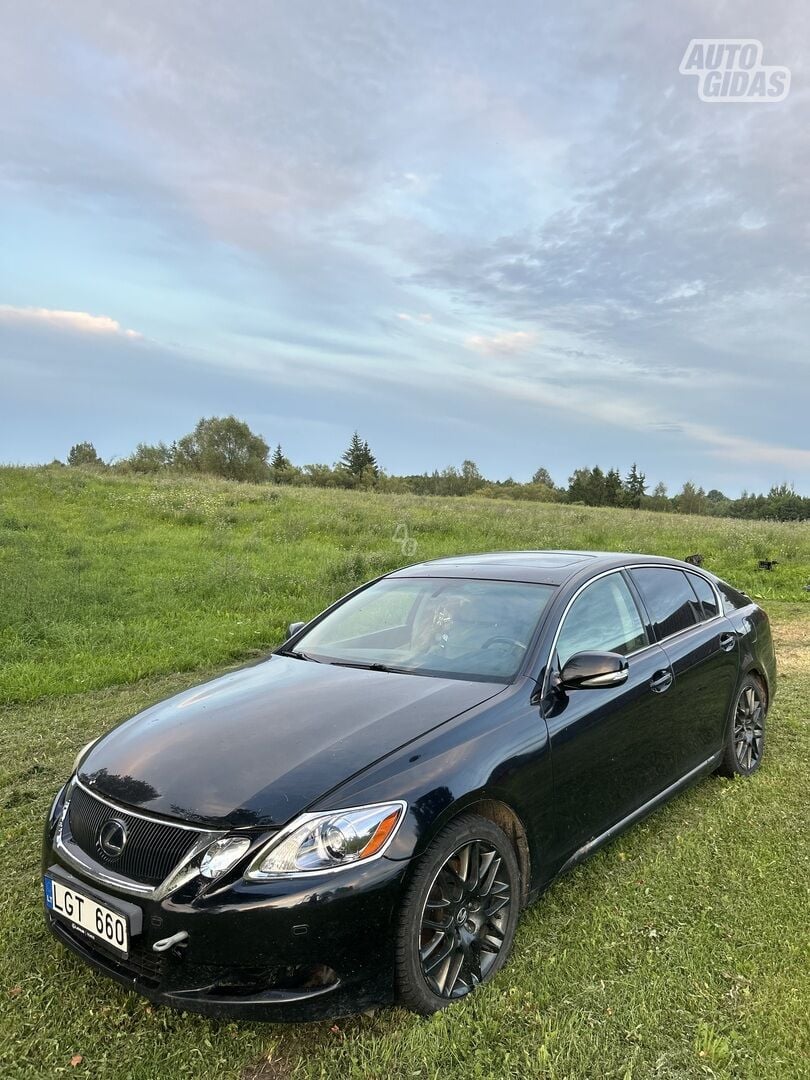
(83, 453)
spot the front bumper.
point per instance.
(303, 949)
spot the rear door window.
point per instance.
(668, 597)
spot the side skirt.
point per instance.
(582, 853)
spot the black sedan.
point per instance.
(360, 818)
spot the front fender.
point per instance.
(498, 751)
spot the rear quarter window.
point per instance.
(733, 599)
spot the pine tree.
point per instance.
(635, 485)
(613, 488)
(278, 460)
(352, 459)
(370, 461)
(357, 457)
(596, 492)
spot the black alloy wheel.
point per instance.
(745, 743)
(459, 915)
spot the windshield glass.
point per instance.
(462, 628)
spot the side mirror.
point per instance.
(294, 627)
(593, 670)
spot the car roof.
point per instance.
(545, 567)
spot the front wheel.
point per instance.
(458, 915)
(745, 739)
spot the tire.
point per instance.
(458, 915)
(745, 736)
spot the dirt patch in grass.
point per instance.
(791, 634)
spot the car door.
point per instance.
(703, 649)
(611, 748)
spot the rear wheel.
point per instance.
(458, 915)
(745, 740)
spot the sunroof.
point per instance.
(527, 558)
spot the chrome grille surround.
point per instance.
(156, 850)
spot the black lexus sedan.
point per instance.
(360, 818)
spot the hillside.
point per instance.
(107, 579)
(678, 951)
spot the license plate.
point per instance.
(85, 914)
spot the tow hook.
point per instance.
(168, 942)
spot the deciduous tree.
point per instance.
(225, 447)
(543, 476)
(83, 453)
(150, 459)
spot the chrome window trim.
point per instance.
(636, 652)
(715, 591)
(577, 594)
(686, 629)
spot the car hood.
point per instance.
(259, 745)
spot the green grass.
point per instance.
(680, 951)
(105, 580)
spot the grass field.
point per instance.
(682, 950)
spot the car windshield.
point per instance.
(461, 628)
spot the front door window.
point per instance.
(603, 618)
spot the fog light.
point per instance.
(222, 855)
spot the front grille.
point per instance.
(152, 849)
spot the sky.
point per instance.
(509, 232)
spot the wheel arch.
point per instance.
(758, 671)
(500, 813)
(503, 815)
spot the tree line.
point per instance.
(226, 447)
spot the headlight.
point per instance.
(328, 841)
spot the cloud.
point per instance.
(684, 291)
(506, 343)
(281, 188)
(78, 321)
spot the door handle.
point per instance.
(728, 642)
(661, 681)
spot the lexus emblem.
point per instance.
(112, 838)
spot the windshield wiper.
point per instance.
(296, 654)
(366, 667)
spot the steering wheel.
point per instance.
(506, 640)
